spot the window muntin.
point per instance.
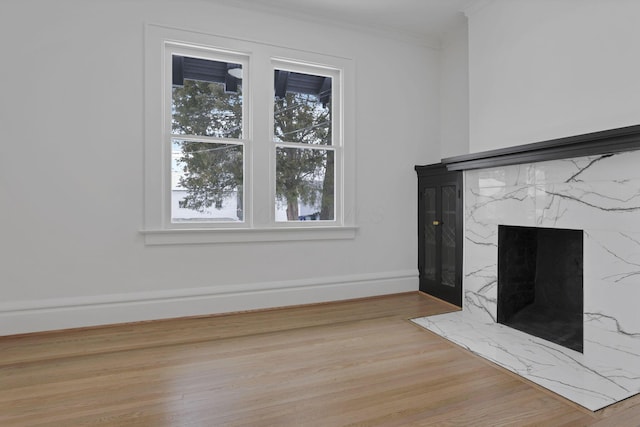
(206, 138)
(306, 153)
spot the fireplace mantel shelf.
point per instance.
(603, 142)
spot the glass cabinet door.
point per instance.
(448, 230)
(440, 232)
(430, 243)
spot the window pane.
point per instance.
(302, 108)
(206, 98)
(206, 182)
(305, 184)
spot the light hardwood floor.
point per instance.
(346, 363)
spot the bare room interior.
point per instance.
(320, 213)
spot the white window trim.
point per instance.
(259, 222)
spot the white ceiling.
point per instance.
(425, 19)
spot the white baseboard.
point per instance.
(18, 317)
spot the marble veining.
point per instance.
(597, 194)
(601, 376)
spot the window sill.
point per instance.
(195, 236)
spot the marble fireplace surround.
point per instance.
(598, 193)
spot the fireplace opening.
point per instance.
(540, 283)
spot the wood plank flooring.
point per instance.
(346, 363)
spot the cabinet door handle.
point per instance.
(436, 222)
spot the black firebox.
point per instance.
(540, 283)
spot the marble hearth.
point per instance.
(598, 194)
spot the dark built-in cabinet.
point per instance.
(440, 232)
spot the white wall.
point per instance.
(71, 178)
(546, 69)
(454, 90)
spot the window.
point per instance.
(244, 145)
(206, 136)
(303, 129)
